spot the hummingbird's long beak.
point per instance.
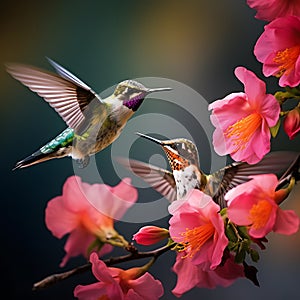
(158, 90)
(150, 138)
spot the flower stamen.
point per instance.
(242, 130)
(194, 239)
(286, 60)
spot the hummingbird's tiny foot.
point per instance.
(83, 162)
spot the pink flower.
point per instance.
(291, 123)
(271, 9)
(254, 204)
(149, 235)
(115, 283)
(278, 48)
(242, 120)
(197, 224)
(190, 275)
(79, 212)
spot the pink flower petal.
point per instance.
(115, 201)
(92, 291)
(220, 243)
(270, 110)
(147, 287)
(242, 120)
(125, 195)
(77, 243)
(280, 35)
(255, 88)
(176, 205)
(100, 270)
(238, 209)
(197, 199)
(265, 182)
(74, 213)
(59, 220)
(260, 144)
(287, 222)
(198, 218)
(269, 10)
(204, 255)
(73, 194)
(225, 111)
(187, 275)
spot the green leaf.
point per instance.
(281, 97)
(240, 255)
(243, 232)
(254, 255)
(275, 129)
(232, 246)
(294, 91)
(223, 211)
(95, 245)
(231, 235)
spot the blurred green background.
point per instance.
(198, 43)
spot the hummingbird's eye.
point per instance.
(174, 146)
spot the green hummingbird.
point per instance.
(186, 174)
(93, 123)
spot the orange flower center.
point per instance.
(260, 213)
(242, 130)
(194, 239)
(286, 60)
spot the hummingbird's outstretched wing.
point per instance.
(67, 94)
(159, 179)
(280, 163)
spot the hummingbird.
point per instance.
(183, 158)
(92, 123)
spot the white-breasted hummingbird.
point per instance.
(93, 123)
(186, 173)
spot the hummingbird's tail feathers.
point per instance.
(159, 179)
(32, 159)
(39, 156)
(280, 163)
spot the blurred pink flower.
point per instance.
(197, 224)
(190, 275)
(278, 48)
(254, 204)
(115, 283)
(86, 212)
(149, 235)
(269, 10)
(291, 123)
(242, 120)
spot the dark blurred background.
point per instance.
(198, 43)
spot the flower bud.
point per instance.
(149, 235)
(291, 123)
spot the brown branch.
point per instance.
(54, 278)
